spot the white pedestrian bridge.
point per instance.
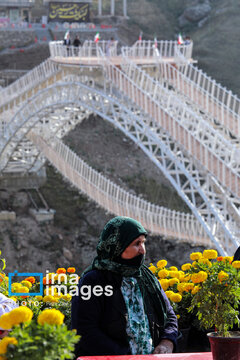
(187, 124)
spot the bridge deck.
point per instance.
(116, 60)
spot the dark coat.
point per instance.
(67, 42)
(76, 42)
(101, 320)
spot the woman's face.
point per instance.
(137, 247)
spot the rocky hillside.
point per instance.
(212, 24)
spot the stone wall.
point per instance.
(16, 38)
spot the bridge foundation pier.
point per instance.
(18, 181)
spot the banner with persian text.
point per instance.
(68, 12)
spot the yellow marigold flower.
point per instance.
(176, 297)
(205, 261)
(178, 316)
(153, 269)
(236, 264)
(173, 268)
(5, 322)
(199, 277)
(20, 315)
(49, 298)
(162, 274)
(228, 259)
(188, 286)
(50, 316)
(71, 270)
(185, 278)
(169, 293)
(26, 283)
(194, 264)
(210, 254)
(181, 278)
(61, 271)
(173, 281)
(38, 298)
(60, 277)
(56, 296)
(24, 289)
(15, 287)
(186, 266)
(50, 291)
(174, 274)
(161, 264)
(195, 289)
(164, 284)
(181, 287)
(5, 342)
(222, 276)
(195, 256)
(66, 297)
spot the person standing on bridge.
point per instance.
(76, 41)
(126, 310)
(76, 44)
(110, 46)
(67, 41)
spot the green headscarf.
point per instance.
(116, 236)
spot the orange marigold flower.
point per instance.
(31, 279)
(61, 271)
(45, 281)
(71, 270)
(220, 258)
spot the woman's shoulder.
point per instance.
(100, 277)
(93, 276)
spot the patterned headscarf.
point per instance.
(116, 236)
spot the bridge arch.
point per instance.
(74, 94)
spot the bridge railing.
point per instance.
(89, 49)
(210, 148)
(140, 49)
(166, 48)
(157, 219)
(200, 88)
(29, 80)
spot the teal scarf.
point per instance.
(117, 234)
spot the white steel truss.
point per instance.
(184, 146)
(161, 149)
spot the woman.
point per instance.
(127, 311)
